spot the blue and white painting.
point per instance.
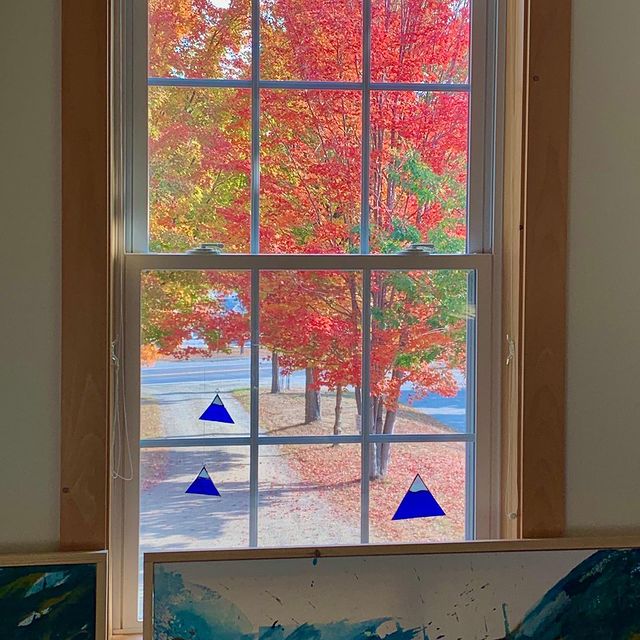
(525, 595)
(48, 602)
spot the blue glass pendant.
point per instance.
(418, 502)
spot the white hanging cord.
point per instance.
(121, 457)
(511, 468)
(122, 460)
(204, 392)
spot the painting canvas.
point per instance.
(45, 600)
(566, 594)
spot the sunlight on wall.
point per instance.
(30, 266)
(604, 287)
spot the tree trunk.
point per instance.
(378, 415)
(275, 373)
(358, 394)
(385, 450)
(389, 424)
(376, 427)
(312, 412)
(337, 423)
(373, 462)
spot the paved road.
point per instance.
(233, 372)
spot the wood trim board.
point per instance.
(538, 68)
(99, 558)
(86, 275)
(543, 347)
(513, 151)
(482, 546)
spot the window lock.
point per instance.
(208, 247)
(419, 247)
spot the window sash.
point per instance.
(481, 149)
(479, 375)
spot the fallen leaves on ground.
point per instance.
(334, 471)
(153, 463)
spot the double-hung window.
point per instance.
(308, 274)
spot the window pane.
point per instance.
(171, 519)
(309, 494)
(203, 39)
(418, 176)
(303, 40)
(420, 41)
(442, 468)
(310, 339)
(419, 329)
(310, 171)
(195, 346)
(199, 168)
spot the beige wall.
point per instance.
(30, 264)
(604, 285)
(604, 273)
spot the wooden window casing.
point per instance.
(537, 91)
(533, 281)
(86, 275)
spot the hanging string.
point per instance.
(121, 456)
(204, 391)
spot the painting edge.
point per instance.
(97, 558)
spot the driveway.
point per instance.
(290, 511)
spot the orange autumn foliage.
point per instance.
(310, 184)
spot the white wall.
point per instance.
(30, 267)
(604, 272)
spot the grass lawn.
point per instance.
(334, 471)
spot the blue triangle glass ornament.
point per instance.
(217, 412)
(203, 484)
(418, 502)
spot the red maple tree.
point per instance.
(310, 188)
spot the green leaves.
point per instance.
(426, 356)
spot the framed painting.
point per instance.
(56, 596)
(519, 590)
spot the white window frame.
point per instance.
(482, 259)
